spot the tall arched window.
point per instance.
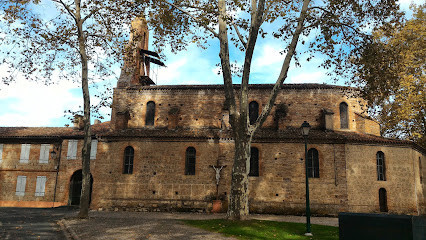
(253, 111)
(313, 163)
(129, 154)
(344, 118)
(190, 161)
(150, 113)
(381, 168)
(254, 162)
(383, 200)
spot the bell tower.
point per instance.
(135, 71)
(139, 36)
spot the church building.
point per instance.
(170, 148)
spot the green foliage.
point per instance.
(391, 73)
(257, 229)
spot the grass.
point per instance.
(264, 230)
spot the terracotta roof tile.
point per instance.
(103, 130)
(236, 86)
(49, 132)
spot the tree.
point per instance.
(331, 27)
(390, 70)
(74, 39)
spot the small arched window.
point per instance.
(344, 118)
(254, 162)
(381, 168)
(129, 154)
(150, 113)
(190, 161)
(253, 111)
(313, 163)
(383, 200)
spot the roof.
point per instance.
(236, 86)
(49, 132)
(261, 135)
(104, 131)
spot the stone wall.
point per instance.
(347, 182)
(404, 194)
(201, 107)
(11, 168)
(159, 178)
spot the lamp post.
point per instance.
(56, 157)
(305, 132)
(53, 154)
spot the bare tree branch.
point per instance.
(90, 14)
(338, 19)
(256, 20)
(239, 35)
(71, 13)
(265, 13)
(284, 70)
(226, 67)
(193, 17)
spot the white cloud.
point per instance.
(405, 4)
(193, 66)
(26, 103)
(270, 55)
(307, 77)
(172, 73)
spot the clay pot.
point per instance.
(217, 206)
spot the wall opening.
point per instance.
(253, 111)
(75, 188)
(254, 162)
(344, 118)
(383, 200)
(150, 114)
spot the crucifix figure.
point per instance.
(217, 169)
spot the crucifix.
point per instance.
(217, 169)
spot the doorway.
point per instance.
(75, 188)
(383, 201)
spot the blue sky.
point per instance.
(25, 103)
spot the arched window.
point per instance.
(150, 113)
(254, 162)
(190, 161)
(313, 163)
(344, 119)
(381, 168)
(129, 154)
(383, 200)
(253, 111)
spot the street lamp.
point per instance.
(305, 132)
(53, 154)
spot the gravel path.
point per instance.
(157, 225)
(132, 225)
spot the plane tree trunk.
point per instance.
(85, 190)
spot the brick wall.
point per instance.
(11, 168)
(158, 176)
(203, 107)
(347, 182)
(404, 194)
